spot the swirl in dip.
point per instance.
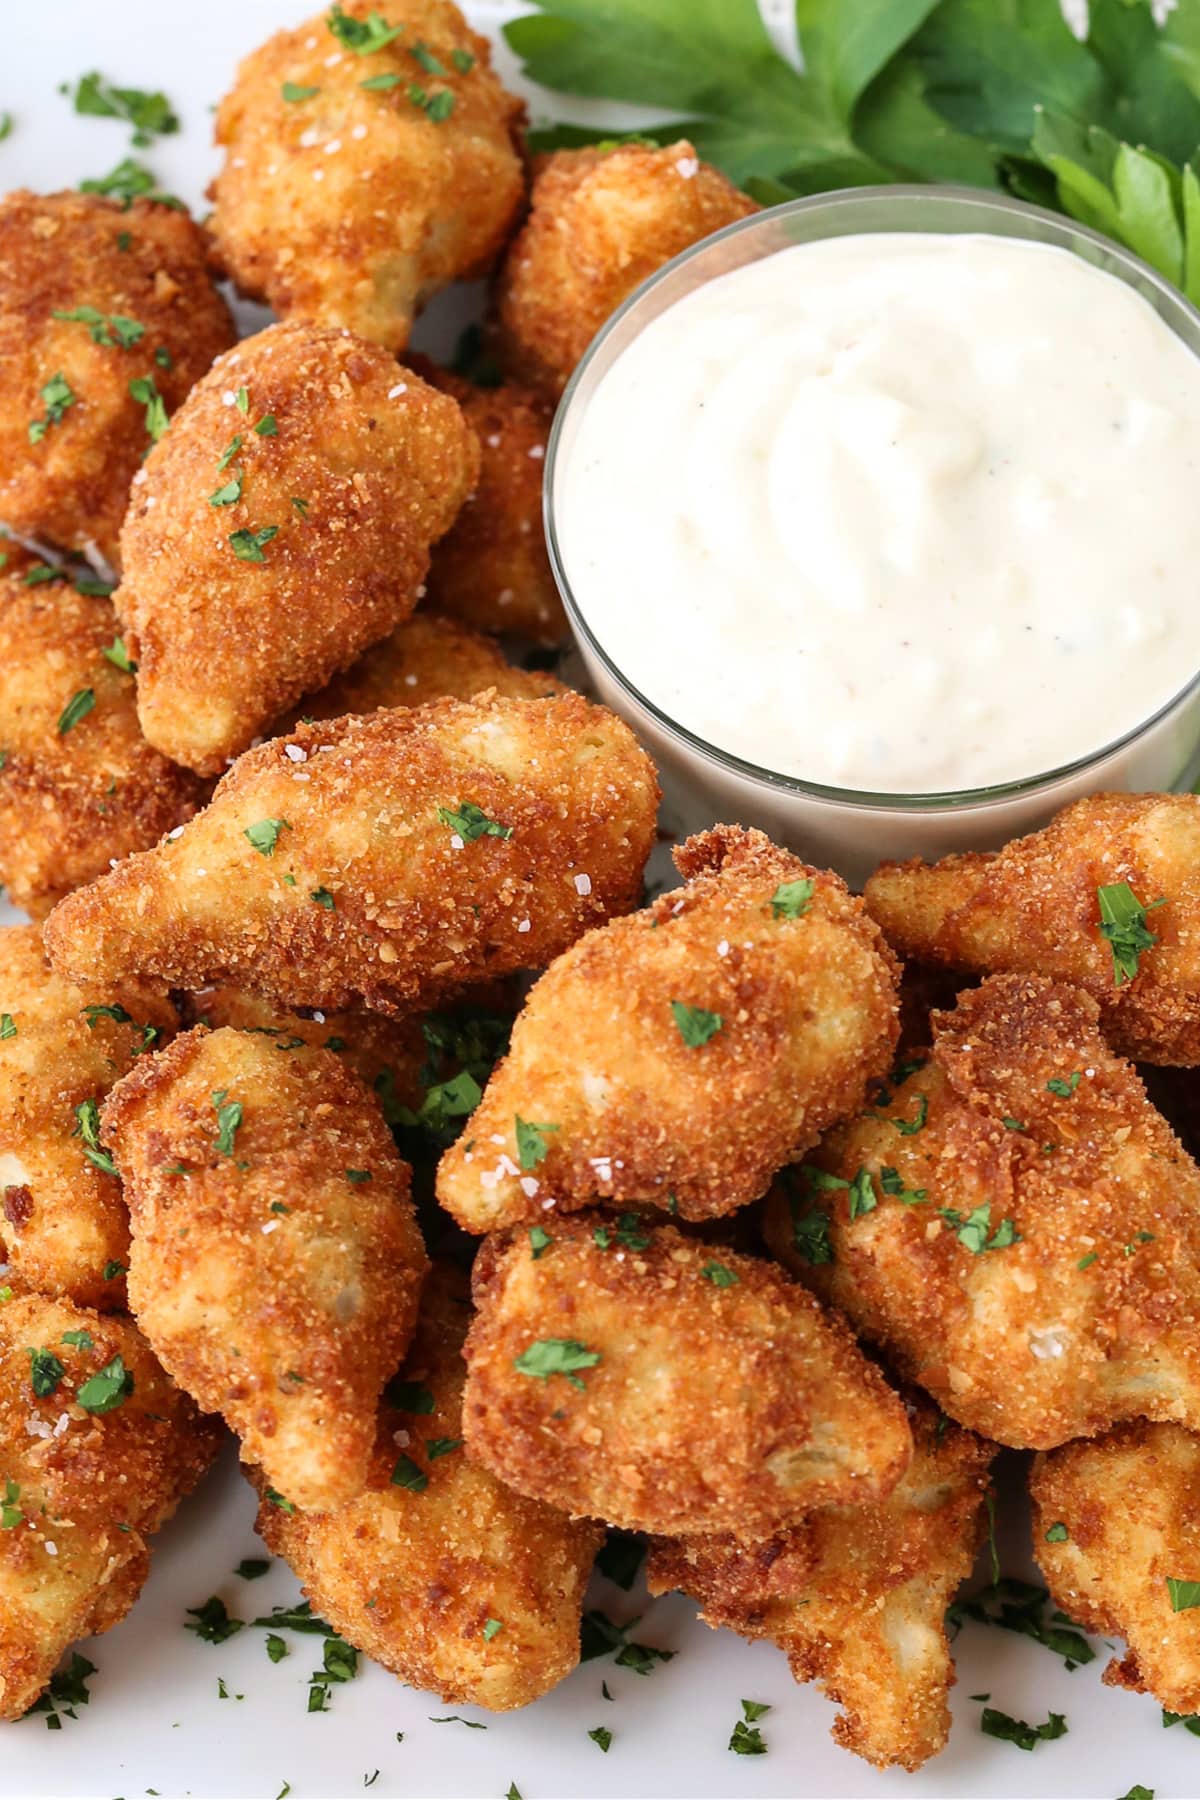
(903, 513)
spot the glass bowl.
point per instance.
(853, 830)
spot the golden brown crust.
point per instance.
(59, 252)
(90, 1487)
(70, 802)
(427, 658)
(857, 1595)
(492, 569)
(413, 1574)
(712, 1404)
(353, 205)
(63, 1223)
(1032, 908)
(1127, 1505)
(276, 1263)
(641, 1114)
(600, 222)
(408, 909)
(380, 464)
(1090, 1314)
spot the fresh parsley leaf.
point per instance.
(87, 1127)
(78, 707)
(264, 834)
(276, 1646)
(118, 1015)
(251, 1568)
(144, 389)
(891, 1182)
(109, 329)
(107, 1389)
(910, 1127)
(8, 1026)
(112, 1270)
(229, 1121)
(556, 1356)
(57, 397)
(228, 494)
(293, 92)
(45, 1372)
(539, 1241)
(128, 182)
(531, 1143)
(642, 1658)
(275, 1498)
(323, 898)
(972, 1232)
(80, 1340)
(1123, 925)
(791, 898)
(863, 1198)
(620, 1557)
(695, 1025)
(119, 657)
(266, 426)
(463, 61)
(1057, 1533)
(747, 1740)
(357, 1176)
(601, 1735)
(10, 1512)
(435, 1447)
(468, 821)
(299, 1617)
(1020, 1606)
(719, 1275)
(754, 1709)
(363, 36)
(408, 1474)
(229, 452)
(1064, 1089)
(409, 1396)
(492, 1629)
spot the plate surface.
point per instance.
(156, 1722)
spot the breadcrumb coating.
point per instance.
(1014, 1223)
(357, 182)
(93, 1459)
(856, 1595)
(492, 569)
(283, 525)
(600, 222)
(63, 1224)
(427, 658)
(1033, 907)
(681, 1056)
(1115, 1525)
(455, 1583)
(378, 881)
(624, 1372)
(139, 277)
(79, 785)
(276, 1263)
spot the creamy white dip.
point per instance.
(903, 513)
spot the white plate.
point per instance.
(155, 1722)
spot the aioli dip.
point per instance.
(899, 512)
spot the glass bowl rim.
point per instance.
(845, 200)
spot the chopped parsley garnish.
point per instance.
(229, 452)
(492, 1629)
(242, 401)
(1012, 1124)
(323, 897)
(539, 1241)
(1085, 1262)
(118, 1015)
(150, 114)
(747, 1740)
(627, 1232)
(248, 545)
(1138, 1238)
(791, 898)
(435, 1447)
(556, 1356)
(40, 573)
(1058, 1533)
(469, 822)
(422, 54)
(1016, 1731)
(301, 506)
(754, 1709)
(1138, 1792)
(112, 1270)
(463, 61)
(229, 1121)
(6, 125)
(641, 1658)
(80, 1340)
(810, 1233)
(382, 84)
(1123, 926)
(409, 1396)
(531, 1142)
(357, 1176)
(972, 1232)
(92, 588)
(695, 1025)
(213, 1624)
(275, 1498)
(119, 657)
(67, 1688)
(228, 494)
(1183, 1595)
(457, 1719)
(1020, 1606)
(863, 1198)
(299, 1617)
(107, 1389)
(910, 1127)
(437, 107)
(144, 389)
(601, 1735)
(1064, 1089)
(408, 1474)
(87, 1127)
(56, 396)
(892, 1184)
(266, 426)
(78, 707)
(719, 1275)
(45, 1372)
(252, 1567)
(363, 36)
(128, 182)
(10, 1512)
(109, 329)
(276, 1647)
(264, 834)
(292, 92)
(1189, 1721)
(8, 1026)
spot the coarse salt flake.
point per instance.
(687, 166)
(270, 1226)
(175, 832)
(583, 884)
(525, 925)
(723, 947)
(295, 753)
(333, 146)
(394, 393)
(360, 131)
(529, 1186)
(537, 451)
(456, 842)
